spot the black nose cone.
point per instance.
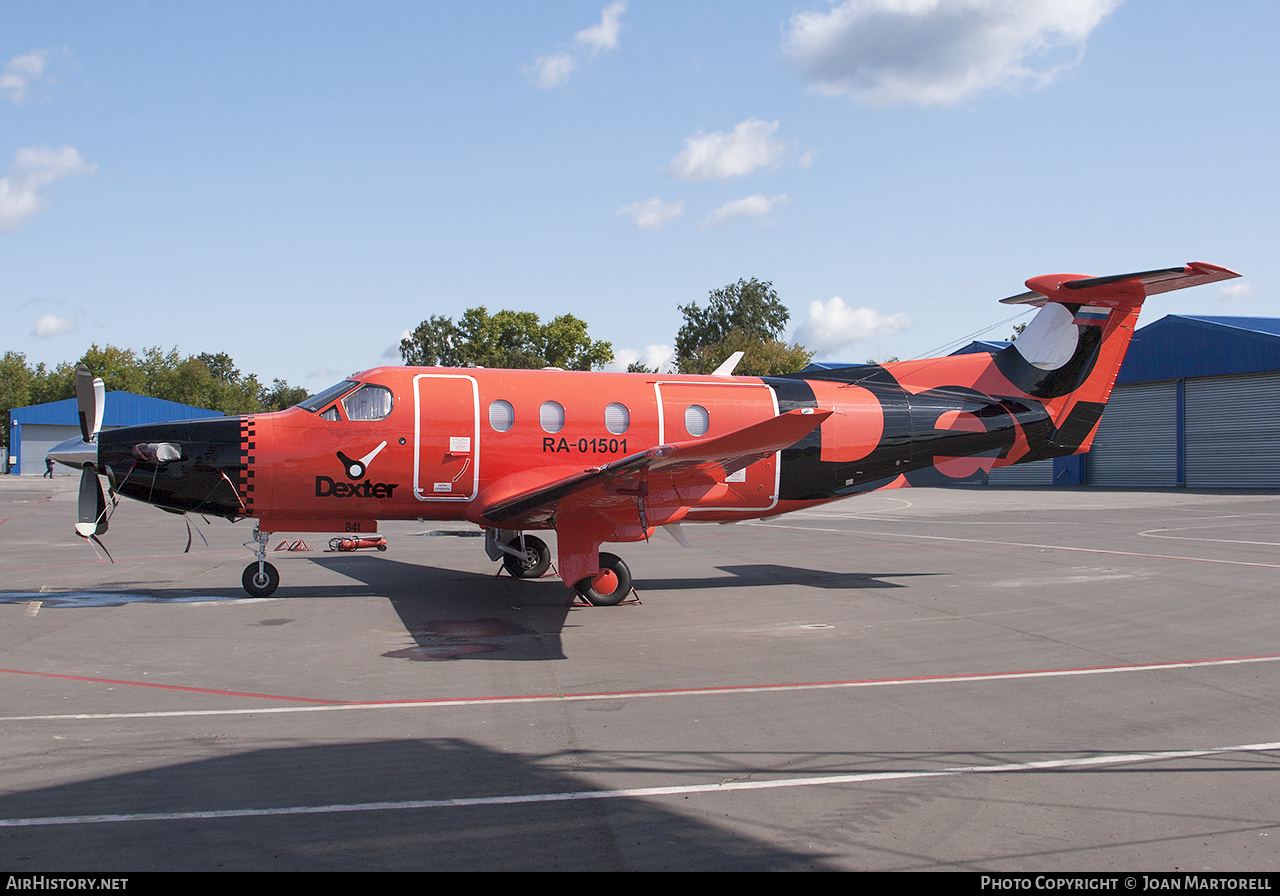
(140, 463)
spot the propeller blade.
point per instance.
(90, 398)
(92, 504)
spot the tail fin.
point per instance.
(1070, 353)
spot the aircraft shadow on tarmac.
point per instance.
(574, 834)
(455, 614)
(452, 614)
(764, 574)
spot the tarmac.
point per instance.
(992, 679)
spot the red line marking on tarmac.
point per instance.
(5, 520)
(674, 692)
(168, 687)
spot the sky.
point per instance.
(299, 184)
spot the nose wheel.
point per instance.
(609, 586)
(260, 578)
(260, 582)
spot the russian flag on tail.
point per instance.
(1091, 316)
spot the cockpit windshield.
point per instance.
(316, 402)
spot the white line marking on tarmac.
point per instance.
(1160, 533)
(642, 792)
(729, 690)
(1013, 544)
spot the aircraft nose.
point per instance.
(75, 452)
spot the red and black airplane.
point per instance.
(611, 457)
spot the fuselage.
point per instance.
(438, 443)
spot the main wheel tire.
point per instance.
(260, 585)
(532, 566)
(609, 587)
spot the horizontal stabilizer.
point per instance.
(1081, 289)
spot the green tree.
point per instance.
(118, 368)
(15, 391)
(746, 316)
(433, 343)
(507, 339)
(207, 380)
(281, 395)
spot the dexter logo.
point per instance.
(356, 468)
(327, 488)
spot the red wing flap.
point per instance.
(1075, 288)
(732, 452)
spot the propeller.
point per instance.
(92, 503)
(90, 398)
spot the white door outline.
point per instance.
(427, 491)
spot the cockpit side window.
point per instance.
(369, 402)
(331, 414)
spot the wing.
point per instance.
(689, 461)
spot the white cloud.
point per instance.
(654, 357)
(833, 325)
(554, 69)
(19, 73)
(1234, 292)
(756, 206)
(939, 52)
(605, 35)
(551, 71)
(48, 325)
(720, 155)
(32, 169)
(652, 213)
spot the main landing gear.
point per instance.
(608, 587)
(528, 557)
(260, 578)
(524, 556)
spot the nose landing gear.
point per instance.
(260, 578)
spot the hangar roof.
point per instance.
(1183, 345)
(119, 409)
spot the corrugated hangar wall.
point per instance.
(37, 440)
(1232, 434)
